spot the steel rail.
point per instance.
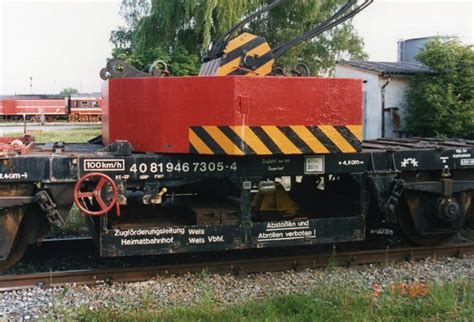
(239, 267)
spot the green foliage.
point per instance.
(442, 104)
(131, 11)
(293, 18)
(68, 91)
(327, 302)
(180, 32)
(75, 225)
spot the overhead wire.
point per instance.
(243, 22)
(219, 45)
(341, 15)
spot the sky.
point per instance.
(64, 43)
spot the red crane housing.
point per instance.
(234, 115)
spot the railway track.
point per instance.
(238, 267)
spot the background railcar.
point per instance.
(85, 109)
(47, 108)
(33, 107)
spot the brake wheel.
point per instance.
(91, 188)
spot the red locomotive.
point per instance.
(33, 107)
(50, 108)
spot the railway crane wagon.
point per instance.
(208, 163)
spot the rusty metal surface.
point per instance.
(10, 220)
(16, 145)
(7, 202)
(119, 68)
(11, 197)
(247, 266)
(415, 144)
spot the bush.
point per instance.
(441, 104)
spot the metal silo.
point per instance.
(407, 49)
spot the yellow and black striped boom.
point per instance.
(246, 54)
(251, 55)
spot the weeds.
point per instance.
(70, 136)
(74, 225)
(452, 301)
(332, 263)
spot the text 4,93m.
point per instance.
(185, 167)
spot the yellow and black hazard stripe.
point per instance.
(269, 140)
(242, 47)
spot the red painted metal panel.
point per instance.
(33, 107)
(9, 107)
(155, 114)
(37, 107)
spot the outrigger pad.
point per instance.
(234, 115)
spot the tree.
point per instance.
(184, 29)
(442, 104)
(131, 11)
(68, 91)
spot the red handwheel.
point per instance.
(100, 180)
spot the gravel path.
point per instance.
(192, 288)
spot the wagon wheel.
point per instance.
(20, 245)
(407, 228)
(99, 182)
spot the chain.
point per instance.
(46, 204)
(392, 202)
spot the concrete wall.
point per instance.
(372, 108)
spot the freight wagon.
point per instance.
(225, 161)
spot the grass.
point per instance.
(69, 136)
(74, 225)
(452, 301)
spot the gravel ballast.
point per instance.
(224, 289)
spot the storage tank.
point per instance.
(409, 48)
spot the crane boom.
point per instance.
(251, 55)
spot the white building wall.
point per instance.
(371, 114)
(394, 97)
(372, 107)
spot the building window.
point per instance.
(84, 104)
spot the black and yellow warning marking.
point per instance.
(243, 51)
(269, 139)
